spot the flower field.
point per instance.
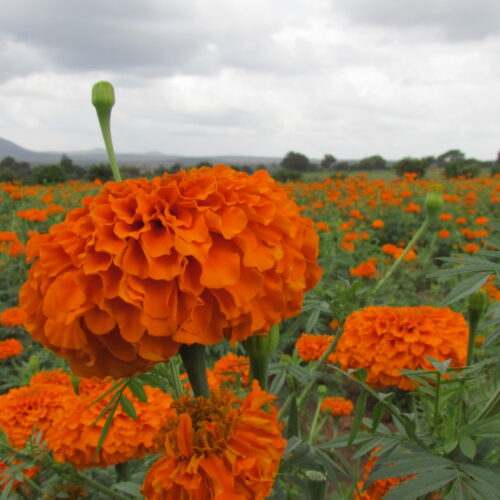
(214, 335)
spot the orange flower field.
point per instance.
(213, 334)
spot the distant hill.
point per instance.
(148, 160)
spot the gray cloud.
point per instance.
(454, 19)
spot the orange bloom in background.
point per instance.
(221, 447)
(337, 406)
(445, 217)
(10, 348)
(9, 243)
(367, 269)
(482, 220)
(73, 438)
(57, 377)
(334, 324)
(471, 248)
(395, 251)
(4, 478)
(310, 346)
(444, 234)
(385, 340)
(30, 409)
(412, 208)
(491, 289)
(14, 316)
(323, 226)
(146, 266)
(461, 220)
(232, 368)
(378, 224)
(33, 214)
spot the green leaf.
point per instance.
(358, 416)
(378, 413)
(128, 407)
(409, 466)
(468, 446)
(467, 287)
(450, 446)
(129, 487)
(293, 419)
(416, 487)
(137, 389)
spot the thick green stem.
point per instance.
(104, 120)
(193, 357)
(316, 482)
(258, 369)
(473, 324)
(398, 261)
(436, 402)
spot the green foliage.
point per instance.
(411, 166)
(328, 162)
(466, 168)
(375, 162)
(48, 174)
(100, 171)
(295, 161)
(287, 175)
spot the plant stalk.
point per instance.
(193, 357)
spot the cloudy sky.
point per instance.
(200, 77)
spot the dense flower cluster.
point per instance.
(146, 266)
(367, 269)
(10, 348)
(216, 448)
(231, 368)
(14, 316)
(384, 340)
(337, 406)
(310, 346)
(74, 435)
(10, 244)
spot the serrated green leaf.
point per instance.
(467, 287)
(378, 413)
(293, 419)
(129, 487)
(411, 465)
(358, 415)
(128, 407)
(414, 488)
(468, 446)
(137, 390)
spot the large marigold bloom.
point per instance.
(218, 448)
(26, 410)
(10, 348)
(73, 438)
(146, 266)
(385, 340)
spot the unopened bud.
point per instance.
(478, 302)
(103, 96)
(434, 200)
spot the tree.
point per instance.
(328, 162)
(48, 174)
(411, 166)
(295, 161)
(100, 171)
(453, 155)
(8, 161)
(375, 162)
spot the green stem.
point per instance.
(398, 261)
(123, 471)
(174, 377)
(313, 431)
(104, 117)
(436, 402)
(258, 369)
(473, 324)
(193, 357)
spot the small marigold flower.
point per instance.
(73, 437)
(220, 447)
(323, 226)
(10, 348)
(33, 214)
(230, 368)
(148, 265)
(444, 234)
(461, 220)
(310, 347)
(471, 248)
(367, 269)
(445, 216)
(337, 406)
(482, 220)
(14, 316)
(57, 377)
(334, 324)
(378, 224)
(30, 409)
(385, 340)
(412, 208)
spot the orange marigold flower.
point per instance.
(14, 316)
(29, 472)
(482, 220)
(395, 251)
(57, 377)
(378, 224)
(334, 324)
(30, 409)
(471, 248)
(323, 226)
(310, 347)
(73, 437)
(33, 214)
(337, 406)
(230, 368)
(444, 233)
(10, 348)
(461, 220)
(412, 208)
(148, 265)
(367, 269)
(445, 216)
(385, 340)
(10, 244)
(220, 447)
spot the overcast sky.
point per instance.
(348, 77)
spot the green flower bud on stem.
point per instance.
(103, 98)
(434, 200)
(34, 363)
(477, 306)
(316, 482)
(259, 348)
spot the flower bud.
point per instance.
(103, 96)
(34, 363)
(478, 302)
(434, 200)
